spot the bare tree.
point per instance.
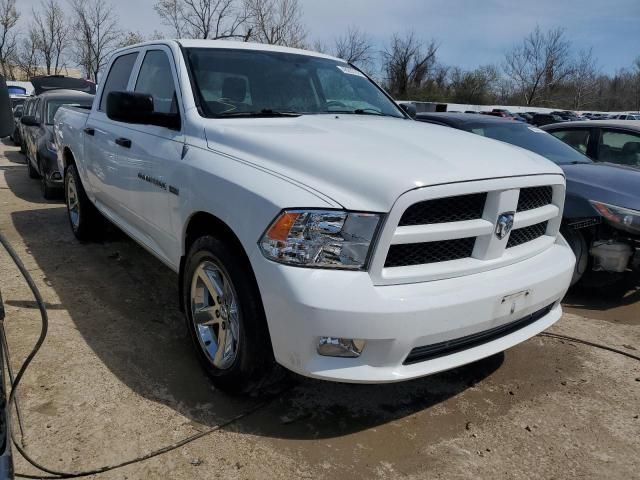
(131, 38)
(276, 22)
(172, 15)
(584, 80)
(212, 19)
(475, 87)
(27, 59)
(9, 16)
(96, 34)
(52, 34)
(539, 64)
(408, 63)
(355, 47)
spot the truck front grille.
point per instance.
(429, 252)
(443, 210)
(433, 233)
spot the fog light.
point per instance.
(340, 347)
(56, 176)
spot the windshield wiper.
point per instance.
(363, 111)
(264, 113)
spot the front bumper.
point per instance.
(302, 305)
(50, 170)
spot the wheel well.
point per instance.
(203, 223)
(68, 157)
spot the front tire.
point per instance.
(580, 247)
(48, 192)
(85, 220)
(225, 317)
(33, 173)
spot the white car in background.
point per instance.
(311, 221)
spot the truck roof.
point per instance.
(190, 43)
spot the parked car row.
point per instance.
(34, 126)
(539, 119)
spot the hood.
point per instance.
(367, 162)
(47, 83)
(604, 182)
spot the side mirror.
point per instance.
(410, 109)
(30, 121)
(132, 107)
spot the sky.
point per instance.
(470, 32)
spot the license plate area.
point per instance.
(510, 305)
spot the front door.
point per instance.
(153, 155)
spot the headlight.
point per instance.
(52, 146)
(321, 238)
(622, 218)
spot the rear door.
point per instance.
(108, 181)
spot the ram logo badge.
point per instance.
(504, 224)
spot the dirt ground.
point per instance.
(116, 379)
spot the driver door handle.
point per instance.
(123, 142)
(90, 131)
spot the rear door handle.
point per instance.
(90, 131)
(123, 142)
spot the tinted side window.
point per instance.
(619, 147)
(577, 139)
(156, 79)
(118, 77)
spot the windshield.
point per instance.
(233, 82)
(54, 105)
(531, 138)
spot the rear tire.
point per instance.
(85, 220)
(233, 319)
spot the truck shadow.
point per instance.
(124, 304)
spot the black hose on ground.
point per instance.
(15, 382)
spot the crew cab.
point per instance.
(312, 223)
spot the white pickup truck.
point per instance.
(312, 222)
